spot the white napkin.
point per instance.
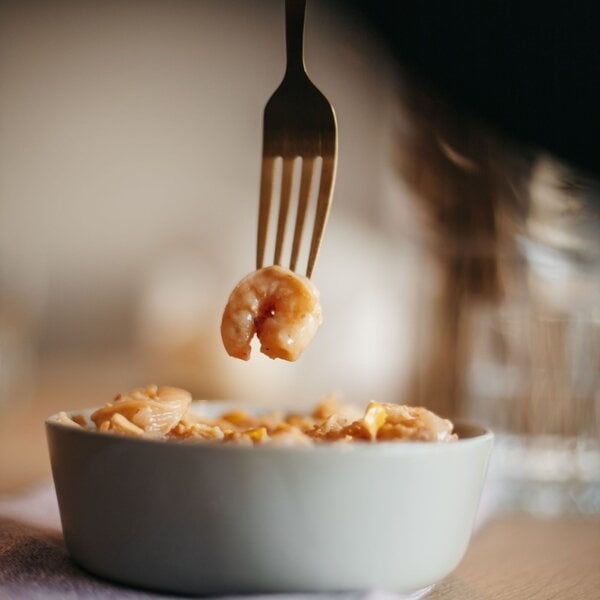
(34, 563)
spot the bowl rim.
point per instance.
(482, 436)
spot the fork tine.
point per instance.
(305, 181)
(286, 192)
(264, 207)
(298, 123)
(325, 191)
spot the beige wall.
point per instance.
(129, 166)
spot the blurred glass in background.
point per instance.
(509, 325)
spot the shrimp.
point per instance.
(153, 410)
(278, 306)
(397, 421)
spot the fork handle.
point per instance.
(294, 34)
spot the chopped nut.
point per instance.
(123, 425)
(64, 419)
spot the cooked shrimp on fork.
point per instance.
(277, 305)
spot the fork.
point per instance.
(298, 122)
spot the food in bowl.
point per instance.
(163, 412)
(218, 518)
(277, 305)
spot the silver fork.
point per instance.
(298, 122)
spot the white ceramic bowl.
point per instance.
(215, 519)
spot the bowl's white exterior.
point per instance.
(204, 519)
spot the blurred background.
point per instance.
(459, 270)
(130, 155)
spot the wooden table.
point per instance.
(520, 558)
(510, 558)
